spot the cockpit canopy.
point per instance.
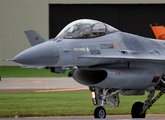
(85, 28)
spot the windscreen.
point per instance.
(85, 28)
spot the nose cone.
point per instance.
(44, 54)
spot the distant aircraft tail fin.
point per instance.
(34, 38)
(159, 32)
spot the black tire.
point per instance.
(137, 109)
(100, 112)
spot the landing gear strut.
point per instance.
(103, 97)
(139, 109)
(110, 97)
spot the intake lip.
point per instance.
(90, 77)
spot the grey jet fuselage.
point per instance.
(114, 52)
(105, 59)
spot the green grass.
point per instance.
(64, 104)
(18, 72)
(58, 103)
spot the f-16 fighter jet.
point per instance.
(110, 62)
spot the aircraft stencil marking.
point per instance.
(106, 46)
(81, 49)
(95, 52)
(116, 45)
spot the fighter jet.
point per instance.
(110, 62)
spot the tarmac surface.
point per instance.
(39, 84)
(9, 85)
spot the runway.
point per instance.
(55, 84)
(39, 84)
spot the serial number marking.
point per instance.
(81, 49)
(106, 46)
(95, 52)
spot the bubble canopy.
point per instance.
(85, 28)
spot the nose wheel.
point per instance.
(100, 112)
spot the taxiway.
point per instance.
(55, 84)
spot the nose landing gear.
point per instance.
(104, 97)
(100, 112)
